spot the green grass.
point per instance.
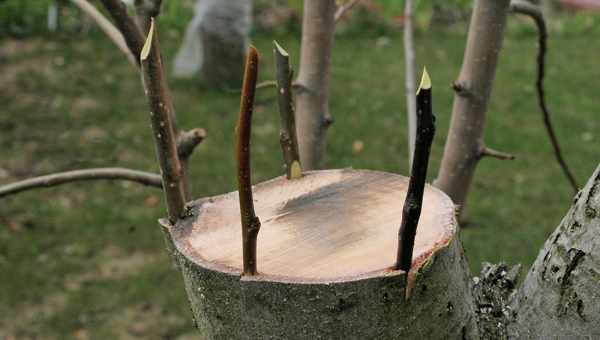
(74, 102)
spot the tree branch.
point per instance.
(163, 128)
(250, 222)
(535, 13)
(343, 9)
(484, 151)
(107, 27)
(131, 33)
(411, 211)
(287, 135)
(141, 177)
(409, 67)
(187, 142)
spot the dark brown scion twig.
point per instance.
(535, 13)
(165, 139)
(287, 135)
(55, 179)
(416, 186)
(250, 222)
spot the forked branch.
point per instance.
(416, 186)
(141, 177)
(107, 27)
(131, 33)
(287, 135)
(250, 222)
(535, 13)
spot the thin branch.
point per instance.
(187, 142)
(409, 66)
(250, 222)
(411, 211)
(287, 135)
(534, 12)
(485, 151)
(165, 139)
(107, 27)
(141, 177)
(296, 85)
(344, 8)
(131, 33)
(266, 84)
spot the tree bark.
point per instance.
(312, 113)
(215, 43)
(473, 88)
(559, 297)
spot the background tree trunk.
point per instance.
(312, 101)
(215, 42)
(464, 144)
(410, 79)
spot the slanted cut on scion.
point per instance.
(416, 187)
(250, 222)
(288, 137)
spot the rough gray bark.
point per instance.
(215, 42)
(559, 298)
(464, 145)
(372, 305)
(312, 101)
(493, 291)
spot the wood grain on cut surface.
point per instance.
(327, 225)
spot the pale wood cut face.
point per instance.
(325, 226)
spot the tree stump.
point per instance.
(326, 251)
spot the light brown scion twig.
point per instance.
(250, 222)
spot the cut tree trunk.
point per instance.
(559, 298)
(326, 250)
(215, 43)
(464, 145)
(312, 101)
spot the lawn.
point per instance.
(87, 260)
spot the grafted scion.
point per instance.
(250, 222)
(416, 186)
